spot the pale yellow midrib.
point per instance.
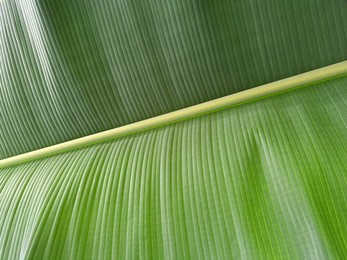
(182, 114)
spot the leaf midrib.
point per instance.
(250, 95)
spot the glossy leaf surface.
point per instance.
(264, 180)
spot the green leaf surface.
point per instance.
(264, 180)
(71, 68)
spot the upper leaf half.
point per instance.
(73, 68)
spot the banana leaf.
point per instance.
(74, 68)
(265, 179)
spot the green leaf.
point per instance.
(73, 68)
(266, 179)
(263, 180)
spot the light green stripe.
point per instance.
(182, 114)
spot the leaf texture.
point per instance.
(73, 68)
(264, 180)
